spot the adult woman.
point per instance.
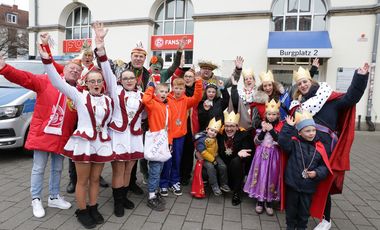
(334, 115)
(125, 128)
(89, 146)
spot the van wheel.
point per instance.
(24, 150)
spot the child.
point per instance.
(179, 104)
(90, 144)
(155, 102)
(206, 144)
(263, 178)
(307, 165)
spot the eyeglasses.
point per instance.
(190, 76)
(93, 81)
(128, 78)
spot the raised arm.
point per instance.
(285, 136)
(198, 92)
(236, 74)
(148, 97)
(45, 38)
(178, 56)
(234, 94)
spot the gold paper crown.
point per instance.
(272, 106)
(301, 115)
(268, 76)
(301, 73)
(213, 124)
(86, 48)
(248, 72)
(231, 117)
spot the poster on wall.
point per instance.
(170, 42)
(344, 78)
(74, 45)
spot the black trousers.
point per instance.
(72, 172)
(235, 173)
(187, 161)
(297, 209)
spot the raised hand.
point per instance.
(290, 120)
(100, 34)
(221, 84)
(363, 70)
(239, 62)
(182, 43)
(269, 127)
(45, 38)
(316, 62)
(43, 53)
(244, 153)
(182, 62)
(233, 81)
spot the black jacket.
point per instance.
(294, 167)
(241, 140)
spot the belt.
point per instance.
(333, 135)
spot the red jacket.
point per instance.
(47, 97)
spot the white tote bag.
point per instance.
(156, 147)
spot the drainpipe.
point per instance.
(371, 126)
(35, 25)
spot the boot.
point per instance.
(128, 204)
(85, 219)
(118, 208)
(94, 213)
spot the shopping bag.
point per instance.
(197, 187)
(156, 147)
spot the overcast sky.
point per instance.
(22, 4)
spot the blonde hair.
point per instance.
(179, 82)
(297, 92)
(162, 85)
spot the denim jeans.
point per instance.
(37, 178)
(212, 173)
(170, 173)
(154, 172)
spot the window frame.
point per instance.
(81, 27)
(12, 18)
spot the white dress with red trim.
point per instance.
(125, 128)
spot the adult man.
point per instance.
(52, 124)
(235, 147)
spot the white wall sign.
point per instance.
(293, 53)
(344, 78)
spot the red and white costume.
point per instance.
(91, 141)
(125, 128)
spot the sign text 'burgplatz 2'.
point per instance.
(294, 53)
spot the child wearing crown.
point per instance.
(263, 178)
(307, 166)
(207, 145)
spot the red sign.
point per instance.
(170, 42)
(74, 46)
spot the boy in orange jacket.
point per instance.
(155, 101)
(179, 104)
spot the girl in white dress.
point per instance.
(125, 128)
(90, 145)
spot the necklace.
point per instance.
(178, 121)
(228, 144)
(304, 172)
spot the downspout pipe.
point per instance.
(368, 119)
(35, 25)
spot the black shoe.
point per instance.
(128, 204)
(236, 200)
(95, 214)
(85, 219)
(156, 205)
(103, 183)
(135, 189)
(118, 208)
(160, 198)
(71, 187)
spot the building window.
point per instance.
(12, 18)
(174, 17)
(299, 15)
(78, 24)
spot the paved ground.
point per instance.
(357, 208)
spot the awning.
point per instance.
(299, 44)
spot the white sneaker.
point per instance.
(323, 225)
(59, 202)
(38, 209)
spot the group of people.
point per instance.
(290, 146)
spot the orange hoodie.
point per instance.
(179, 108)
(156, 110)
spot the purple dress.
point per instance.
(263, 181)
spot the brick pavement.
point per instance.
(357, 208)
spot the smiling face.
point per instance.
(210, 93)
(189, 78)
(128, 80)
(308, 133)
(268, 87)
(137, 60)
(206, 73)
(72, 73)
(230, 129)
(303, 85)
(211, 132)
(272, 116)
(95, 83)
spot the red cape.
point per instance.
(339, 161)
